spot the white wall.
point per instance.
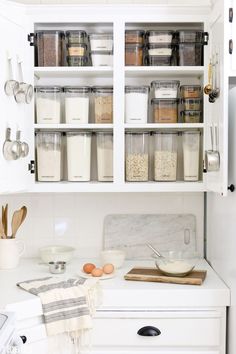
(77, 219)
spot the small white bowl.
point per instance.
(56, 253)
(115, 257)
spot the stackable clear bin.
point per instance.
(103, 104)
(77, 104)
(189, 36)
(102, 58)
(105, 156)
(192, 104)
(76, 36)
(165, 156)
(165, 110)
(165, 89)
(136, 156)
(134, 54)
(48, 148)
(101, 41)
(136, 104)
(77, 60)
(155, 36)
(48, 104)
(49, 46)
(160, 49)
(134, 36)
(190, 91)
(191, 152)
(190, 54)
(191, 116)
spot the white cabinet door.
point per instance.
(15, 47)
(217, 113)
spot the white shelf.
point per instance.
(146, 187)
(162, 71)
(63, 126)
(75, 71)
(156, 126)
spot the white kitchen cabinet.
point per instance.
(116, 18)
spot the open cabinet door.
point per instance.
(14, 174)
(217, 113)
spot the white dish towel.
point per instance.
(68, 304)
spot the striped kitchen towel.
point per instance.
(68, 305)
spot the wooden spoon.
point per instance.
(2, 233)
(24, 209)
(6, 219)
(16, 221)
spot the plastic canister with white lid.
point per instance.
(77, 104)
(136, 104)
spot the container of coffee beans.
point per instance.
(49, 46)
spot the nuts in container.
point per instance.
(103, 104)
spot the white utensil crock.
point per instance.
(10, 252)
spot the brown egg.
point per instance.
(108, 268)
(88, 267)
(97, 272)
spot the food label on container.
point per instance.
(77, 51)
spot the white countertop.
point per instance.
(117, 292)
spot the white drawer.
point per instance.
(180, 330)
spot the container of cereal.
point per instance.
(190, 54)
(134, 54)
(165, 110)
(159, 36)
(49, 47)
(104, 156)
(190, 91)
(76, 37)
(102, 58)
(101, 41)
(192, 104)
(136, 104)
(77, 49)
(136, 156)
(48, 104)
(77, 104)
(165, 156)
(134, 36)
(103, 104)
(160, 49)
(158, 60)
(165, 89)
(191, 116)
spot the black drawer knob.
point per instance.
(149, 331)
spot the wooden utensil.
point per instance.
(208, 87)
(6, 220)
(16, 221)
(24, 209)
(196, 277)
(2, 233)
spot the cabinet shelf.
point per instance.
(162, 71)
(157, 126)
(65, 127)
(64, 71)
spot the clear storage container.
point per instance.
(134, 36)
(165, 110)
(158, 60)
(159, 36)
(101, 41)
(48, 147)
(133, 54)
(136, 104)
(49, 48)
(102, 58)
(165, 89)
(191, 116)
(136, 156)
(77, 61)
(76, 37)
(77, 49)
(192, 104)
(160, 49)
(190, 91)
(191, 151)
(77, 104)
(165, 156)
(103, 104)
(190, 54)
(105, 156)
(48, 104)
(78, 156)
(190, 36)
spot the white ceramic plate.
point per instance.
(103, 277)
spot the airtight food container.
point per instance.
(103, 104)
(102, 58)
(48, 104)
(190, 54)
(49, 47)
(136, 104)
(77, 104)
(134, 36)
(77, 49)
(104, 156)
(76, 37)
(190, 36)
(192, 104)
(134, 54)
(160, 49)
(190, 91)
(77, 60)
(159, 60)
(159, 36)
(101, 41)
(165, 110)
(191, 116)
(165, 89)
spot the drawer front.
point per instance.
(174, 332)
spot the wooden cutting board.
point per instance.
(196, 277)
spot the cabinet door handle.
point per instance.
(149, 331)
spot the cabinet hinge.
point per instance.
(205, 38)
(230, 46)
(30, 38)
(31, 166)
(231, 14)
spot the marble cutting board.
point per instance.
(130, 232)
